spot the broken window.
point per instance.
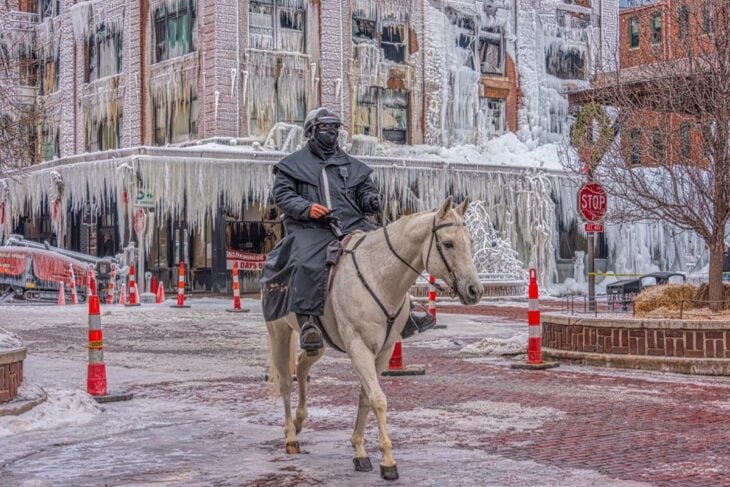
(175, 31)
(635, 137)
(633, 32)
(363, 30)
(176, 120)
(277, 25)
(392, 42)
(464, 37)
(565, 62)
(104, 54)
(382, 113)
(49, 75)
(491, 51)
(50, 148)
(656, 27)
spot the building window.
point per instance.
(565, 62)
(707, 22)
(176, 120)
(556, 120)
(28, 69)
(50, 148)
(104, 54)
(276, 25)
(656, 27)
(683, 21)
(105, 134)
(49, 75)
(635, 136)
(464, 37)
(363, 30)
(376, 105)
(494, 111)
(658, 145)
(633, 32)
(48, 8)
(392, 43)
(175, 30)
(491, 51)
(685, 141)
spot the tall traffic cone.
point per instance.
(96, 384)
(133, 298)
(432, 301)
(236, 292)
(396, 367)
(61, 294)
(160, 295)
(181, 288)
(92, 282)
(110, 288)
(123, 294)
(74, 294)
(534, 340)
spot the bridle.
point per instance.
(434, 238)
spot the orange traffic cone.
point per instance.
(395, 366)
(133, 299)
(96, 384)
(160, 296)
(534, 326)
(123, 294)
(74, 295)
(181, 288)
(61, 294)
(110, 289)
(236, 293)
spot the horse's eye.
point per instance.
(449, 244)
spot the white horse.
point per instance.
(367, 308)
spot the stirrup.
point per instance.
(310, 338)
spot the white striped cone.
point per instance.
(133, 298)
(110, 289)
(61, 294)
(432, 297)
(74, 295)
(236, 292)
(181, 288)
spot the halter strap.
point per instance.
(390, 246)
(435, 237)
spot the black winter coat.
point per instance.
(294, 277)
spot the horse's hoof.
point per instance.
(362, 464)
(389, 473)
(292, 447)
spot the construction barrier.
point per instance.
(236, 292)
(74, 294)
(96, 384)
(534, 326)
(61, 294)
(181, 288)
(133, 296)
(110, 288)
(396, 367)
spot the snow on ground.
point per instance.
(202, 414)
(9, 341)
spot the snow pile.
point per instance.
(497, 346)
(9, 341)
(62, 408)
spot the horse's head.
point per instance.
(447, 253)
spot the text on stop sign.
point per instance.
(593, 201)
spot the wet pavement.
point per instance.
(202, 414)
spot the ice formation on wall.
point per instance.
(492, 253)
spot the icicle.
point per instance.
(245, 86)
(338, 87)
(217, 95)
(234, 74)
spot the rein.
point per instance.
(434, 237)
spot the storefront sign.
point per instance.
(247, 261)
(144, 198)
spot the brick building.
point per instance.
(123, 79)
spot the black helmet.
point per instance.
(319, 115)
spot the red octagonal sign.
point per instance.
(592, 202)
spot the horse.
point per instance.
(366, 309)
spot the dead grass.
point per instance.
(680, 300)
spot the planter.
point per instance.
(11, 373)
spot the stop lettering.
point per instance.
(592, 202)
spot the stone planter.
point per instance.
(11, 373)
(672, 345)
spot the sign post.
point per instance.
(592, 204)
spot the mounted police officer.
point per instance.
(323, 194)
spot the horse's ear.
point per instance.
(445, 208)
(461, 209)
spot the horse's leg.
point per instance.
(363, 362)
(304, 363)
(280, 338)
(361, 459)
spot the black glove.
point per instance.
(375, 204)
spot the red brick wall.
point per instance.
(637, 341)
(11, 376)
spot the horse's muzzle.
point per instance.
(469, 292)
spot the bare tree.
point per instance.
(671, 100)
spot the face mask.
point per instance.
(327, 135)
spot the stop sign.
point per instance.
(592, 202)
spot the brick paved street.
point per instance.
(203, 416)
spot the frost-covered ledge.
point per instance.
(685, 346)
(12, 354)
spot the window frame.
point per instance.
(165, 135)
(278, 7)
(488, 36)
(93, 53)
(375, 99)
(685, 141)
(683, 21)
(658, 147)
(635, 138)
(656, 31)
(162, 20)
(634, 37)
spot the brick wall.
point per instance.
(11, 375)
(687, 342)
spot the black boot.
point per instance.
(417, 323)
(310, 337)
